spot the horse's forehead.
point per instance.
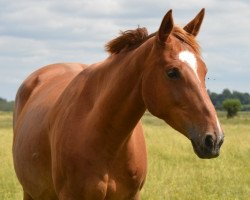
(190, 59)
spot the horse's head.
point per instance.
(173, 86)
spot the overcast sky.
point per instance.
(34, 33)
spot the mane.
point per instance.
(131, 39)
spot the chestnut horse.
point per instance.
(77, 133)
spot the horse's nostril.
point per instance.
(209, 142)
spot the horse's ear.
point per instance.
(166, 27)
(193, 27)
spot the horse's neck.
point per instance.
(119, 105)
(121, 98)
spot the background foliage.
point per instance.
(217, 99)
(232, 106)
(6, 105)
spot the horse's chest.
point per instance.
(122, 189)
(125, 182)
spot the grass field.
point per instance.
(174, 172)
(9, 186)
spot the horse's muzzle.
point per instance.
(209, 147)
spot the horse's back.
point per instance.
(35, 97)
(39, 82)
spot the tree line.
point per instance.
(217, 100)
(6, 105)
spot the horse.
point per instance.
(77, 129)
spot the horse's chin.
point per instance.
(202, 153)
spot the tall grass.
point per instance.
(174, 171)
(9, 186)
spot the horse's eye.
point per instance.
(173, 73)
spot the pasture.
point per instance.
(174, 171)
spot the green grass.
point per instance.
(9, 186)
(174, 171)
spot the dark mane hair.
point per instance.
(131, 39)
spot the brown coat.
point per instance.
(77, 134)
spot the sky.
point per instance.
(35, 33)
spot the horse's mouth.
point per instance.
(203, 152)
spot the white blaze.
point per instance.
(190, 59)
(218, 124)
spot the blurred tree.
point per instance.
(217, 99)
(226, 94)
(232, 106)
(6, 105)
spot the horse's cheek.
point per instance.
(153, 94)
